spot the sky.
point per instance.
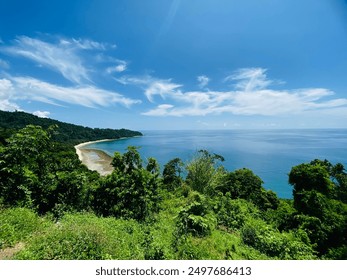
(176, 64)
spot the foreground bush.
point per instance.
(18, 224)
(267, 240)
(86, 237)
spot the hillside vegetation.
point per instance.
(58, 209)
(64, 132)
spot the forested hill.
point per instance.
(67, 133)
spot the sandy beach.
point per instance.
(95, 159)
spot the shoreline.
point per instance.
(94, 159)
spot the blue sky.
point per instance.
(176, 64)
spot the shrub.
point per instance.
(261, 236)
(18, 224)
(195, 218)
(233, 213)
(84, 237)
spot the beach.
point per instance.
(94, 159)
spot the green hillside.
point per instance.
(53, 207)
(65, 132)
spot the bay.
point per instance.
(270, 154)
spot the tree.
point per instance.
(128, 162)
(244, 184)
(311, 183)
(23, 163)
(131, 191)
(310, 176)
(202, 170)
(172, 177)
(339, 177)
(37, 174)
(321, 176)
(153, 166)
(321, 215)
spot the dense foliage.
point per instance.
(65, 132)
(131, 191)
(58, 209)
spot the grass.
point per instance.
(19, 225)
(86, 236)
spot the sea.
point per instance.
(270, 154)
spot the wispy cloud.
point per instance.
(250, 97)
(250, 91)
(63, 55)
(152, 86)
(250, 79)
(73, 59)
(162, 88)
(27, 88)
(203, 81)
(85, 44)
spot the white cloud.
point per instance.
(83, 44)
(28, 88)
(161, 88)
(42, 114)
(179, 111)
(121, 67)
(250, 79)
(72, 59)
(88, 44)
(250, 97)
(152, 86)
(63, 57)
(6, 105)
(139, 81)
(6, 95)
(161, 110)
(5, 87)
(15, 89)
(203, 81)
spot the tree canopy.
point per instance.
(64, 132)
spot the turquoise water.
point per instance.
(269, 153)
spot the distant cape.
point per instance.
(65, 132)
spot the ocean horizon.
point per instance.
(269, 153)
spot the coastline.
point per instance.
(94, 159)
